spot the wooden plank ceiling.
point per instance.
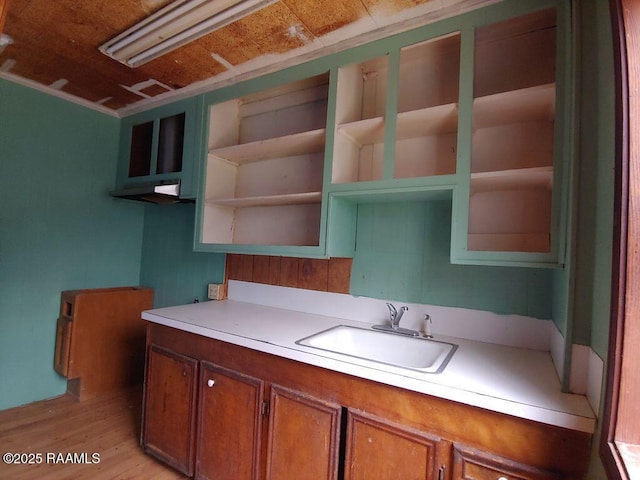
(55, 42)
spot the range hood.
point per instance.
(165, 192)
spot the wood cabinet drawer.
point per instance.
(472, 464)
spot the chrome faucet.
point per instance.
(395, 316)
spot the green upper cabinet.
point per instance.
(160, 145)
(263, 175)
(515, 142)
(475, 109)
(396, 118)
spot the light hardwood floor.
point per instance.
(108, 426)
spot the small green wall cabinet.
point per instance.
(160, 145)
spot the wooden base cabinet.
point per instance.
(258, 416)
(239, 434)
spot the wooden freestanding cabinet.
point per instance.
(100, 339)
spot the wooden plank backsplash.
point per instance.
(327, 275)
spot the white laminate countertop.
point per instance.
(515, 381)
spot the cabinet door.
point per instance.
(304, 436)
(472, 464)
(230, 419)
(168, 431)
(377, 448)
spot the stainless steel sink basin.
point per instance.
(413, 353)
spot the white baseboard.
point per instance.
(587, 368)
(594, 382)
(579, 376)
(557, 350)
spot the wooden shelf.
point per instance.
(516, 179)
(441, 119)
(424, 122)
(265, 170)
(268, 200)
(364, 132)
(286, 146)
(518, 106)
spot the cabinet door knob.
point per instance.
(211, 382)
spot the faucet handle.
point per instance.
(392, 310)
(400, 313)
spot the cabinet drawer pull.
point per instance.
(503, 478)
(211, 382)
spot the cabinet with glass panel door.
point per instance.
(159, 146)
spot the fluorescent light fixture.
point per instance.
(175, 25)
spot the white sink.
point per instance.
(413, 353)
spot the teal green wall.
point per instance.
(169, 264)
(402, 253)
(59, 229)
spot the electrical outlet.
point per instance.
(214, 291)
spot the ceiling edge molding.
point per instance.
(58, 93)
